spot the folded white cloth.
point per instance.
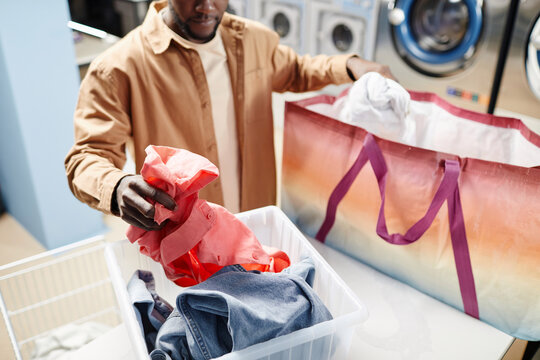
(380, 106)
(65, 339)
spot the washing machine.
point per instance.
(238, 7)
(449, 47)
(342, 28)
(286, 17)
(520, 84)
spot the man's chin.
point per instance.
(203, 36)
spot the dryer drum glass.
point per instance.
(342, 37)
(439, 25)
(281, 24)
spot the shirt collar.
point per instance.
(158, 35)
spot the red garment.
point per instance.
(200, 237)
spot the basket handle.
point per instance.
(448, 191)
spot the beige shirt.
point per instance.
(150, 89)
(214, 61)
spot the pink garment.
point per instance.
(200, 237)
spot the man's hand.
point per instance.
(358, 67)
(131, 196)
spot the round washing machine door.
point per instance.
(532, 62)
(341, 34)
(285, 20)
(437, 37)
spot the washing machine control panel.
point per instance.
(467, 95)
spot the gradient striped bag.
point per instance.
(383, 202)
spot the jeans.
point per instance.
(235, 308)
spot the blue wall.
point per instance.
(38, 91)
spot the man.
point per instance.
(192, 77)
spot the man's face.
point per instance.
(198, 19)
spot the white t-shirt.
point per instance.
(214, 60)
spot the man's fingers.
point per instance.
(164, 199)
(386, 72)
(137, 205)
(135, 198)
(142, 220)
(132, 221)
(136, 222)
(146, 190)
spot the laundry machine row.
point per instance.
(342, 27)
(317, 26)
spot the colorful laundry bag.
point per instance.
(359, 193)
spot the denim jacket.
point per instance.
(236, 308)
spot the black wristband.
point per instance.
(115, 210)
(349, 72)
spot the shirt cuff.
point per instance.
(109, 185)
(339, 69)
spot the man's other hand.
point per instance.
(132, 195)
(357, 67)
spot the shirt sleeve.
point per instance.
(102, 128)
(296, 73)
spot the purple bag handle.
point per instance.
(448, 191)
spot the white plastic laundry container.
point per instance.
(68, 287)
(327, 340)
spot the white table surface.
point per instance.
(406, 324)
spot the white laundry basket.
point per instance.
(327, 340)
(43, 293)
